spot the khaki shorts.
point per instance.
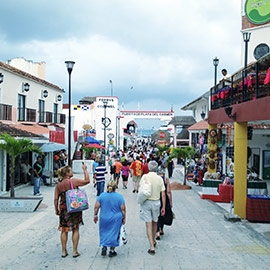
(136, 178)
(150, 211)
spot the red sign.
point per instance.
(162, 135)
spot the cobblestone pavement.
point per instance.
(199, 238)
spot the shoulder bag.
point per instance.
(76, 199)
(145, 190)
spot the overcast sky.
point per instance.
(158, 53)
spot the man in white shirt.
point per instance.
(226, 80)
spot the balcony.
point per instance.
(246, 85)
(5, 112)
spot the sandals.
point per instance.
(151, 252)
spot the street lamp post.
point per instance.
(246, 38)
(69, 65)
(215, 63)
(117, 131)
(111, 87)
(104, 121)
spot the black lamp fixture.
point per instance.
(45, 93)
(215, 63)
(203, 115)
(1, 77)
(228, 111)
(25, 87)
(69, 65)
(58, 97)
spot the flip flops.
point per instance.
(76, 255)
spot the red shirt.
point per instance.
(136, 167)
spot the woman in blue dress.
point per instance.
(112, 215)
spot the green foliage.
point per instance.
(162, 149)
(14, 148)
(87, 151)
(184, 153)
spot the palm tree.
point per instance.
(14, 148)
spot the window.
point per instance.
(41, 111)
(21, 108)
(55, 113)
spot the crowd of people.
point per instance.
(110, 207)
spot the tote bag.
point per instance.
(145, 190)
(76, 199)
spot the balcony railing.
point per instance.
(61, 118)
(49, 117)
(246, 85)
(26, 114)
(5, 112)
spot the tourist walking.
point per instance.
(112, 215)
(170, 167)
(168, 214)
(99, 177)
(118, 166)
(136, 171)
(150, 209)
(68, 221)
(125, 173)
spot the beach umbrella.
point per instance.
(94, 145)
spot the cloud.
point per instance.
(163, 48)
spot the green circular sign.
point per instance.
(258, 11)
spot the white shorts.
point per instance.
(150, 211)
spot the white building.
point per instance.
(28, 103)
(88, 118)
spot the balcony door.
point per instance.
(21, 108)
(55, 113)
(41, 110)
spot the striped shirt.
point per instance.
(100, 173)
